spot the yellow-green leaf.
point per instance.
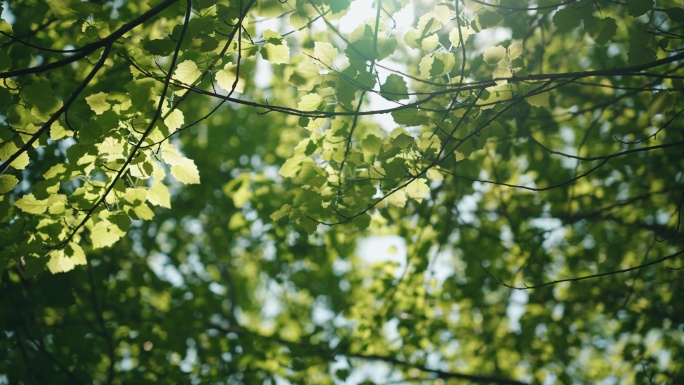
(502, 74)
(309, 102)
(159, 195)
(186, 172)
(538, 100)
(187, 72)
(454, 37)
(291, 166)
(98, 103)
(105, 234)
(57, 132)
(9, 149)
(7, 183)
(429, 43)
(417, 189)
(515, 50)
(65, 260)
(285, 210)
(29, 203)
(225, 78)
(174, 120)
(398, 199)
(493, 55)
(434, 174)
(412, 38)
(143, 211)
(277, 54)
(325, 53)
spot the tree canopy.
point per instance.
(339, 191)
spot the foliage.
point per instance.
(200, 177)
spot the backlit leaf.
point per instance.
(9, 149)
(65, 260)
(493, 55)
(98, 103)
(309, 102)
(7, 183)
(417, 189)
(187, 72)
(105, 234)
(29, 203)
(325, 53)
(159, 195)
(186, 172)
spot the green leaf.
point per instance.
(34, 266)
(285, 210)
(640, 49)
(62, 9)
(337, 6)
(141, 93)
(515, 50)
(56, 171)
(372, 144)
(425, 66)
(5, 61)
(539, 100)
(361, 222)
(90, 133)
(396, 169)
(409, 117)
(434, 174)
(676, 15)
(639, 7)
(39, 95)
(403, 140)
(607, 28)
(661, 103)
(388, 151)
(566, 20)
(308, 225)
(394, 88)
(444, 62)
(160, 47)
(398, 199)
